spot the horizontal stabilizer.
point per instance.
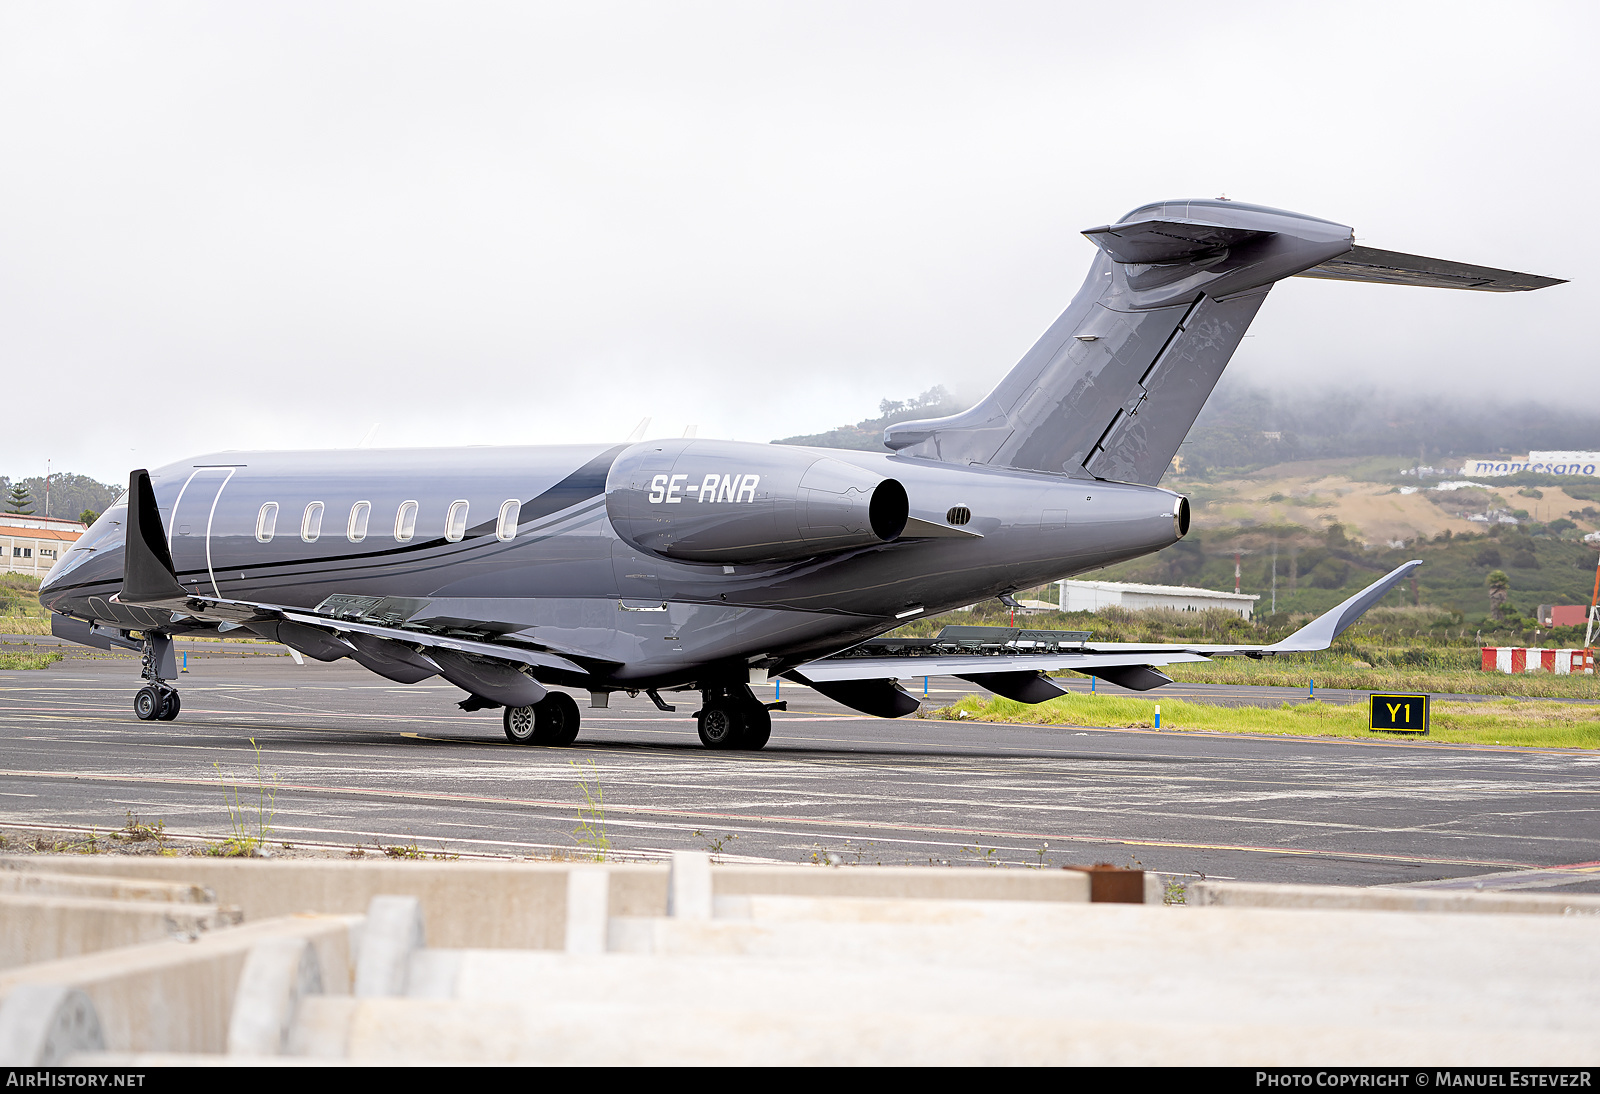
(1394, 268)
(1172, 240)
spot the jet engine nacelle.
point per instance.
(728, 501)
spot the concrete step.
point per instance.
(38, 883)
(620, 1031)
(1239, 894)
(36, 928)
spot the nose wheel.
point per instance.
(157, 701)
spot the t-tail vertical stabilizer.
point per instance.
(1112, 388)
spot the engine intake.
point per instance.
(729, 501)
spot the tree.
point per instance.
(70, 493)
(1499, 592)
(88, 516)
(18, 500)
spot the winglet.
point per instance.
(1321, 631)
(147, 570)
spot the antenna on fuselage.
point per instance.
(638, 432)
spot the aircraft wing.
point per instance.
(1019, 675)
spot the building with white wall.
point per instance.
(31, 545)
(1547, 463)
(1091, 596)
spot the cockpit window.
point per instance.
(509, 512)
(360, 513)
(455, 522)
(311, 523)
(405, 521)
(267, 522)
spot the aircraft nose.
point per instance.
(94, 557)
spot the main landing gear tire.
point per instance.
(520, 724)
(147, 704)
(725, 726)
(153, 703)
(757, 728)
(720, 726)
(554, 720)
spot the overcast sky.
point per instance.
(257, 225)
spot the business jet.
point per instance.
(706, 566)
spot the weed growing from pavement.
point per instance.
(591, 830)
(850, 856)
(406, 850)
(716, 845)
(986, 855)
(249, 823)
(135, 830)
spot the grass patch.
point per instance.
(1502, 721)
(1330, 672)
(28, 660)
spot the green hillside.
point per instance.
(1317, 570)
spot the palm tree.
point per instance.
(1499, 591)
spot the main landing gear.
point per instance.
(158, 700)
(157, 703)
(732, 717)
(553, 720)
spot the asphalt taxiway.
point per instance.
(356, 760)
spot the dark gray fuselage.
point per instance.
(566, 580)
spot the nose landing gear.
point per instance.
(157, 700)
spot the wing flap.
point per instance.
(907, 668)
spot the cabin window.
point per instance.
(267, 522)
(455, 522)
(405, 521)
(509, 512)
(311, 523)
(360, 512)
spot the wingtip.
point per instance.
(1321, 631)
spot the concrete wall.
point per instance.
(522, 905)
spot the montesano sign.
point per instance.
(1546, 463)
